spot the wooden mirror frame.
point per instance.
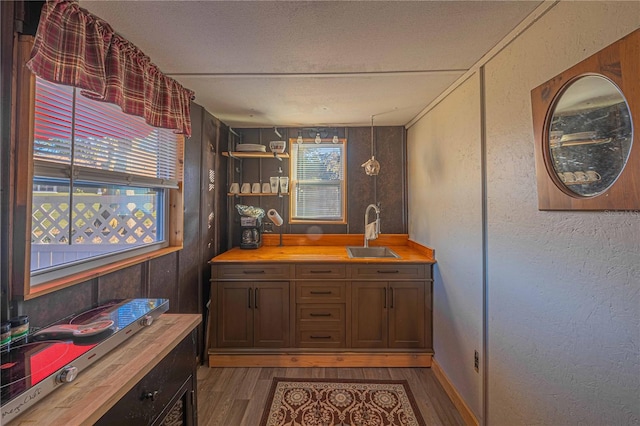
(619, 62)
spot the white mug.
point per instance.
(581, 176)
(592, 175)
(274, 184)
(284, 184)
(255, 188)
(246, 188)
(569, 177)
(234, 188)
(266, 188)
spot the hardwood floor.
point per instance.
(236, 396)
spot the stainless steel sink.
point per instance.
(373, 252)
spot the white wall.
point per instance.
(445, 213)
(563, 287)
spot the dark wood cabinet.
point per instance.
(303, 307)
(391, 314)
(165, 396)
(235, 315)
(407, 321)
(253, 314)
(271, 315)
(369, 314)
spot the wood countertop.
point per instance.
(100, 387)
(409, 253)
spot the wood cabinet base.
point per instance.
(320, 359)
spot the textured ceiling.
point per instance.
(270, 63)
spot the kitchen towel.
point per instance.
(370, 232)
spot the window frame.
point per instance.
(293, 183)
(21, 191)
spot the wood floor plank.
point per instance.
(318, 373)
(441, 402)
(206, 405)
(246, 388)
(237, 396)
(254, 410)
(422, 398)
(237, 411)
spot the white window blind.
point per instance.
(317, 174)
(53, 120)
(104, 140)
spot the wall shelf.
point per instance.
(270, 194)
(255, 155)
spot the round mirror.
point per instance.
(590, 136)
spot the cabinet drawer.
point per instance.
(320, 271)
(264, 271)
(327, 313)
(321, 292)
(388, 272)
(321, 338)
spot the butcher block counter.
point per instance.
(141, 381)
(327, 249)
(307, 303)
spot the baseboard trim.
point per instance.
(402, 359)
(467, 415)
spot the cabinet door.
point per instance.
(271, 314)
(235, 314)
(406, 315)
(369, 314)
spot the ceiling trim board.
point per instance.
(317, 74)
(531, 19)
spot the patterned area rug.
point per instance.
(335, 402)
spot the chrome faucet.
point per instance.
(366, 222)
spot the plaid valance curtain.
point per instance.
(75, 48)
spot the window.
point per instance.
(318, 182)
(101, 182)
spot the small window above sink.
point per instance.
(371, 252)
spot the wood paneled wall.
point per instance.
(388, 188)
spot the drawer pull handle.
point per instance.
(320, 292)
(389, 271)
(320, 337)
(261, 271)
(250, 292)
(255, 301)
(324, 271)
(320, 314)
(151, 395)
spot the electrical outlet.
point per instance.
(476, 361)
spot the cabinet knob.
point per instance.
(151, 395)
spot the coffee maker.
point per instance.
(250, 232)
